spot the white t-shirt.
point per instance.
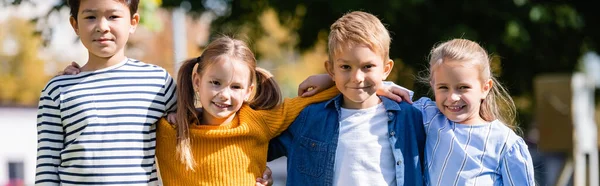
(364, 154)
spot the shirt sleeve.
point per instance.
(50, 141)
(280, 118)
(169, 94)
(516, 165)
(428, 109)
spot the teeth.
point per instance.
(221, 105)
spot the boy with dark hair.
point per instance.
(97, 127)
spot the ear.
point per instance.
(329, 68)
(387, 68)
(196, 81)
(135, 20)
(249, 93)
(73, 22)
(487, 86)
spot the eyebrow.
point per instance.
(96, 10)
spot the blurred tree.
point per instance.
(20, 72)
(527, 37)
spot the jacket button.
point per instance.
(398, 162)
(313, 144)
(392, 133)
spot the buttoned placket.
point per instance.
(399, 166)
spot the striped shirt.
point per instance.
(97, 127)
(480, 154)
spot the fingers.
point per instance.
(261, 182)
(303, 87)
(172, 117)
(393, 96)
(309, 92)
(75, 64)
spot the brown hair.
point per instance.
(74, 5)
(266, 95)
(359, 28)
(498, 104)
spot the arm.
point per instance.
(516, 166)
(317, 83)
(169, 94)
(279, 118)
(50, 141)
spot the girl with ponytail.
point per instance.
(225, 142)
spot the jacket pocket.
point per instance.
(310, 156)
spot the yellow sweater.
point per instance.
(231, 154)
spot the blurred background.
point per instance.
(538, 48)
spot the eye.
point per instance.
(216, 83)
(237, 87)
(369, 66)
(114, 17)
(89, 17)
(464, 87)
(443, 87)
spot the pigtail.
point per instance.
(267, 94)
(186, 112)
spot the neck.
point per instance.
(96, 63)
(208, 119)
(372, 101)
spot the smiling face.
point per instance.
(223, 87)
(459, 91)
(358, 72)
(104, 26)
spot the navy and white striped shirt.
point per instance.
(97, 128)
(480, 154)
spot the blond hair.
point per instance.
(267, 94)
(359, 28)
(498, 104)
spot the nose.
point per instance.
(102, 25)
(358, 76)
(454, 96)
(224, 94)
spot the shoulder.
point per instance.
(137, 65)
(506, 136)
(54, 84)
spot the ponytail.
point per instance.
(186, 111)
(499, 105)
(267, 94)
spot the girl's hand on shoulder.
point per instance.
(315, 84)
(395, 92)
(72, 69)
(267, 179)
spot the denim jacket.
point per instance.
(310, 143)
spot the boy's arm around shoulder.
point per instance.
(168, 91)
(50, 137)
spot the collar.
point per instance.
(389, 104)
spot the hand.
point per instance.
(266, 180)
(395, 92)
(315, 84)
(172, 117)
(72, 69)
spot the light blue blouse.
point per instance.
(481, 154)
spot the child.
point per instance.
(470, 127)
(97, 127)
(226, 143)
(356, 138)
